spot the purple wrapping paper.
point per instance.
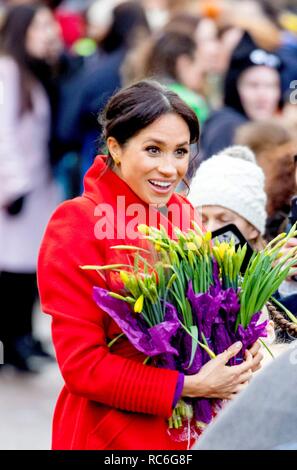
(203, 410)
(150, 341)
(249, 335)
(216, 312)
(186, 348)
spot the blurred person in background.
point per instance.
(86, 92)
(206, 34)
(252, 92)
(99, 19)
(28, 194)
(271, 24)
(250, 16)
(283, 14)
(157, 12)
(172, 58)
(70, 19)
(228, 188)
(274, 148)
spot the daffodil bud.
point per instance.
(143, 229)
(124, 277)
(174, 258)
(191, 258)
(138, 306)
(171, 280)
(207, 236)
(190, 246)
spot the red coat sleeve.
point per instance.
(88, 367)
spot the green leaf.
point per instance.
(194, 333)
(287, 312)
(266, 347)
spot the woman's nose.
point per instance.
(167, 166)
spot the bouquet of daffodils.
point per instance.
(192, 302)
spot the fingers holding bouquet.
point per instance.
(218, 380)
(257, 356)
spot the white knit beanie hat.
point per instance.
(232, 179)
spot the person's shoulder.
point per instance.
(69, 231)
(181, 199)
(225, 114)
(183, 202)
(71, 216)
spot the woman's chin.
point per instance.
(159, 201)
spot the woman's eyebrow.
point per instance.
(161, 142)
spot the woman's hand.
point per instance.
(257, 356)
(217, 380)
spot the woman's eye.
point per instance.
(153, 150)
(181, 152)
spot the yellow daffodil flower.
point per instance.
(138, 306)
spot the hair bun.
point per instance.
(239, 151)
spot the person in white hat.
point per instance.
(229, 188)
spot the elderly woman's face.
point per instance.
(215, 217)
(155, 160)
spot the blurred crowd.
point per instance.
(235, 65)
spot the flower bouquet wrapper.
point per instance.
(152, 341)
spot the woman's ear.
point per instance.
(114, 149)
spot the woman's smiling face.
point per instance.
(154, 160)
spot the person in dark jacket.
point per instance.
(252, 92)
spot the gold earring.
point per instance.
(116, 160)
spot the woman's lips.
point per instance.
(161, 186)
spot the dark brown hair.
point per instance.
(165, 51)
(129, 21)
(13, 44)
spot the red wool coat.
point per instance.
(110, 400)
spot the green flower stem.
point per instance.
(266, 347)
(130, 247)
(111, 343)
(106, 267)
(288, 313)
(206, 348)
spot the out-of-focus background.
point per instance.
(234, 62)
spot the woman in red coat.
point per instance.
(111, 400)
